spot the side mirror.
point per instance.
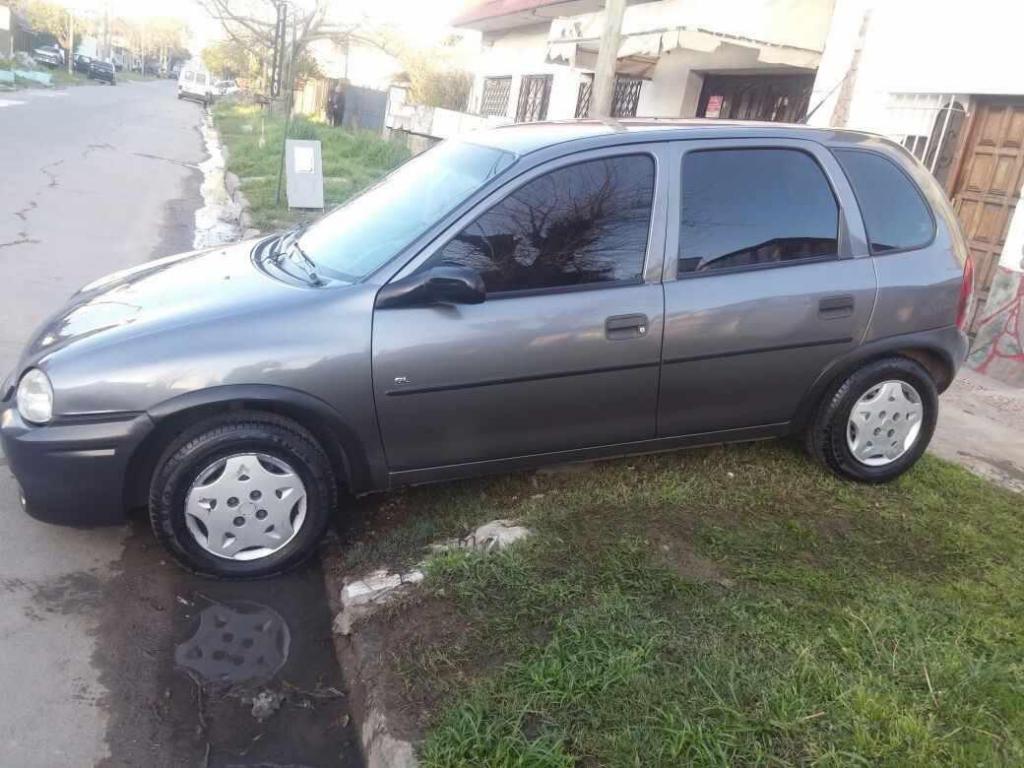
(440, 285)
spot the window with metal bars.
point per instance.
(624, 99)
(494, 100)
(534, 94)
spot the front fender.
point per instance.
(345, 444)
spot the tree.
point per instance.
(435, 78)
(252, 25)
(49, 17)
(231, 59)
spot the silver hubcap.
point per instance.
(885, 423)
(245, 507)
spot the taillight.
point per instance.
(966, 302)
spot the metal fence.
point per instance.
(931, 126)
(365, 109)
(625, 98)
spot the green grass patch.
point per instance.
(727, 607)
(253, 138)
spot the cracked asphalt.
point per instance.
(108, 656)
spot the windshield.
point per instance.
(354, 240)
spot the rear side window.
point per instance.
(581, 224)
(747, 208)
(895, 214)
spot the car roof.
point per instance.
(523, 138)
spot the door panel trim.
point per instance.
(517, 379)
(614, 450)
(759, 350)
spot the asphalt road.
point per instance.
(108, 652)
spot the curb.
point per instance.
(381, 749)
(234, 187)
(353, 598)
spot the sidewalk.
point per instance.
(981, 426)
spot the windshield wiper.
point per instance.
(287, 245)
(306, 264)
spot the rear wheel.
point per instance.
(874, 425)
(242, 495)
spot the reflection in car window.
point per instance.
(753, 207)
(354, 240)
(895, 215)
(586, 223)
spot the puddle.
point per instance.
(242, 642)
(267, 688)
(217, 220)
(219, 674)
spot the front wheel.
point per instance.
(874, 425)
(242, 495)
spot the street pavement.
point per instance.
(99, 633)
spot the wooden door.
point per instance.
(989, 185)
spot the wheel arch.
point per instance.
(931, 355)
(342, 445)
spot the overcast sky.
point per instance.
(420, 18)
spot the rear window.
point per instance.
(896, 216)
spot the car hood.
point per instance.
(164, 294)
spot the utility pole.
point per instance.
(71, 42)
(607, 56)
(288, 83)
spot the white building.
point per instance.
(947, 80)
(751, 59)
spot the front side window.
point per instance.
(895, 215)
(584, 223)
(754, 207)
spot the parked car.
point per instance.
(196, 84)
(102, 71)
(227, 87)
(51, 56)
(82, 63)
(536, 294)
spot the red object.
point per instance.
(966, 295)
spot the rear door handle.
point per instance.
(620, 327)
(836, 306)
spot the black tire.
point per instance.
(825, 438)
(221, 436)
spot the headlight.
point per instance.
(35, 397)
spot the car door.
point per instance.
(764, 284)
(564, 352)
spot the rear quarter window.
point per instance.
(896, 216)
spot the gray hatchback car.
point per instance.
(532, 294)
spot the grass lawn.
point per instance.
(252, 137)
(734, 606)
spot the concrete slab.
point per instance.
(981, 426)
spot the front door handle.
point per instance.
(619, 327)
(836, 306)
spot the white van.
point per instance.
(196, 83)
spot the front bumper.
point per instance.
(73, 472)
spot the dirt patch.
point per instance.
(429, 629)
